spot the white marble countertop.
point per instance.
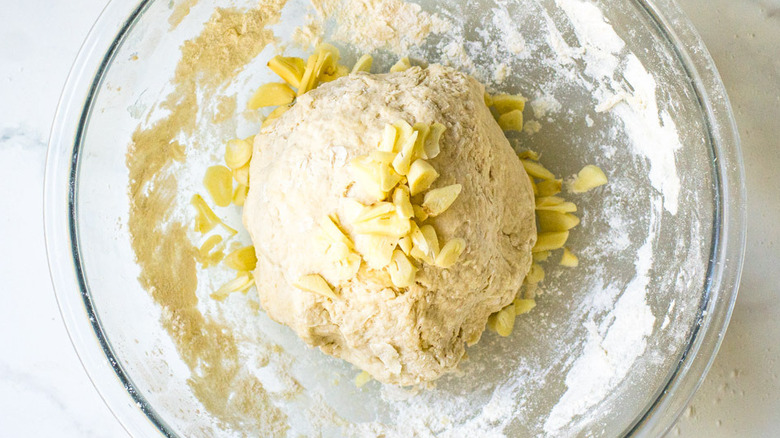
(45, 392)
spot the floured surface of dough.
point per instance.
(299, 175)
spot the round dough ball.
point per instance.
(299, 175)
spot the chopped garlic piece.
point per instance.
(237, 153)
(376, 250)
(535, 274)
(505, 320)
(431, 146)
(219, 185)
(340, 72)
(275, 114)
(555, 221)
(437, 201)
(347, 267)
(316, 284)
(364, 173)
(388, 178)
(488, 99)
(362, 378)
(205, 255)
(540, 256)
(588, 178)
(505, 103)
(534, 186)
(555, 203)
(363, 64)
(425, 244)
(537, 170)
(389, 139)
(403, 64)
(550, 241)
(240, 194)
(289, 69)
(511, 121)
(529, 154)
(271, 94)
(331, 228)
(550, 187)
(382, 157)
(241, 283)
(390, 225)
(403, 160)
(405, 244)
(241, 175)
(421, 176)
(419, 213)
(309, 77)
(242, 259)
(450, 253)
(205, 219)
(402, 271)
(374, 211)
(524, 305)
(403, 205)
(568, 259)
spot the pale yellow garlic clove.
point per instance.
(377, 250)
(382, 157)
(534, 186)
(535, 274)
(437, 201)
(242, 259)
(402, 271)
(550, 241)
(450, 253)
(275, 114)
(505, 103)
(242, 282)
(405, 243)
(219, 185)
(237, 153)
(540, 256)
(241, 175)
(374, 211)
(271, 94)
(205, 219)
(309, 76)
(390, 225)
(316, 284)
(421, 176)
(289, 69)
(505, 320)
(524, 305)
(332, 230)
(555, 221)
(432, 144)
(537, 170)
(388, 178)
(389, 139)
(511, 121)
(403, 160)
(403, 64)
(363, 64)
(550, 187)
(568, 259)
(403, 205)
(363, 171)
(488, 99)
(555, 203)
(528, 155)
(588, 178)
(419, 213)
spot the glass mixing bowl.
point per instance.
(615, 347)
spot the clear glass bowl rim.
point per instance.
(140, 419)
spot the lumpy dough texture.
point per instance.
(299, 175)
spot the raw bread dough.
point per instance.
(299, 175)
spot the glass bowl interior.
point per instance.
(611, 343)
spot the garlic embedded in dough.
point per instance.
(389, 138)
(390, 225)
(402, 271)
(316, 284)
(242, 259)
(437, 201)
(419, 213)
(271, 94)
(537, 170)
(588, 178)
(219, 183)
(431, 145)
(289, 69)
(550, 241)
(535, 274)
(403, 160)
(403, 132)
(332, 231)
(421, 176)
(382, 157)
(450, 253)
(364, 172)
(568, 259)
(555, 221)
(388, 178)
(405, 243)
(403, 64)
(403, 205)
(373, 211)
(241, 175)
(376, 250)
(511, 121)
(425, 243)
(237, 153)
(363, 64)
